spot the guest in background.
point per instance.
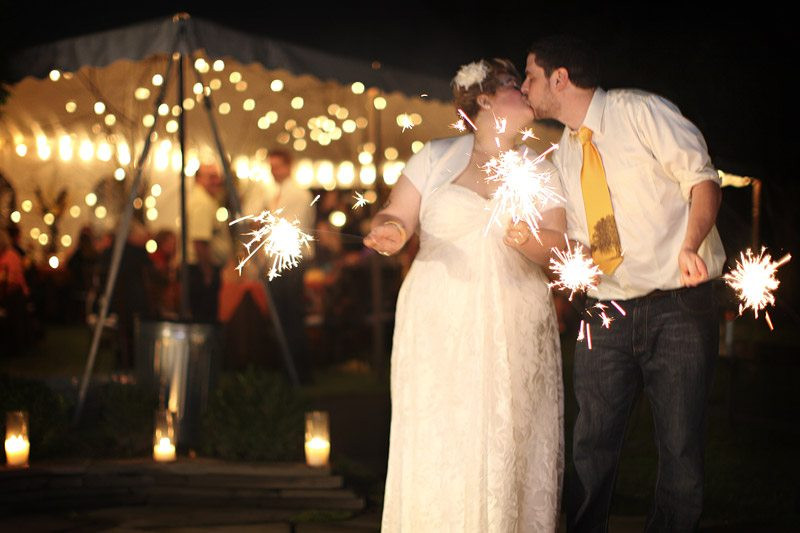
(164, 286)
(129, 301)
(287, 290)
(209, 246)
(13, 295)
(82, 268)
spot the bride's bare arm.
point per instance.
(551, 232)
(394, 224)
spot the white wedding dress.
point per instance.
(477, 405)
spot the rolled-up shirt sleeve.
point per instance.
(676, 144)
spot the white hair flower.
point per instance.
(471, 74)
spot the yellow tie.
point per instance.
(603, 235)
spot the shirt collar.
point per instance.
(594, 115)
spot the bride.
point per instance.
(476, 436)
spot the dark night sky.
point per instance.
(725, 69)
(728, 70)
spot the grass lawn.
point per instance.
(61, 351)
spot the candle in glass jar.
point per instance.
(164, 451)
(17, 450)
(317, 451)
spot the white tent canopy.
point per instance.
(77, 116)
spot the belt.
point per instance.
(657, 293)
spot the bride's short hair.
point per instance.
(466, 99)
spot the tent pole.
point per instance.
(184, 310)
(233, 201)
(376, 262)
(119, 246)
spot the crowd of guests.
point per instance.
(324, 304)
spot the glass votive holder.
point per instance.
(164, 437)
(318, 444)
(17, 445)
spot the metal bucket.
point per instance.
(181, 361)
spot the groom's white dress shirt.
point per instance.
(652, 156)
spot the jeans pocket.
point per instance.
(697, 300)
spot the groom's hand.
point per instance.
(693, 268)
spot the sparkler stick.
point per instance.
(314, 200)
(754, 281)
(280, 239)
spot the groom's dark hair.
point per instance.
(571, 53)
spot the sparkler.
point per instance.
(754, 279)
(575, 271)
(314, 200)
(528, 134)
(360, 201)
(585, 332)
(459, 125)
(606, 320)
(465, 117)
(281, 240)
(523, 187)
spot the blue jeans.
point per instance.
(667, 344)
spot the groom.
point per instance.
(642, 194)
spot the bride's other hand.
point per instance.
(550, 235)
(387, 238)
(393, 224)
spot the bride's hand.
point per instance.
(386, 239)
(517, 234)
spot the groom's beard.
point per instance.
(549, 109)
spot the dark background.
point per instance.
(729, 70)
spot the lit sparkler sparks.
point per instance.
(500, 125)
(621, 310)
(314, 200)
(459, 125)
(360, 201)
(606, 320)
(585, 332)
(528, 134)
(523, 187)
(576, 272)
(405, 122)
(280, 239)
(754, 279)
